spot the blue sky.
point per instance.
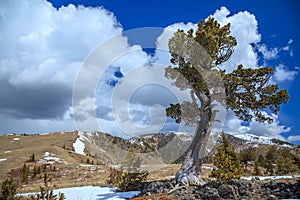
(50, 32)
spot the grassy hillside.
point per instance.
(55, 155)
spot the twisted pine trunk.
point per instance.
(190, 171)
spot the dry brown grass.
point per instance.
(70, 176)
(68, 173)
(18, 151)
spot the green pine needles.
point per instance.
(226, 162)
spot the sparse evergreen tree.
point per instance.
(270, 168)
(9, 189)
(25, 171)
(286, 165)
(32, 158)
(35, 171)
(261, 161)
(132, 162)
(226, 162)
(39, 170)
(248, 155)
(272, 154)
(270, 158)
(47, 194)
(42, 193)
(296, 159)
(256, 169)
(47, 179)
(87, 161)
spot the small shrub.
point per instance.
(129, 176)
(46, 193)
(9, 189)
(127, 181)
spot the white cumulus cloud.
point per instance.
(293, 138)
(41, 50)
(282, 73)
(244, 27)
(235, 126)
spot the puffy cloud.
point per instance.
(13, 125)
(273, 53)
(244, 27)
(162, 54)
(272, 130)
(293, 138)
(268, 54)
(41, 50)
(235, 126)
(282, 73)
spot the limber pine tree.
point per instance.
(246, 91)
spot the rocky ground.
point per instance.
(235, 189)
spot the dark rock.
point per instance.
(272, 197)
(211, 194)
(244, 191)
(228, 191)
(235, 189)
(272, 185)
(235, 182)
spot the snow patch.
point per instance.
(184, 136)
(207, 167)
(3, 159)
(269, 177)
(170, 177)
(7, 151)
(79, 146)
(102, 150)
(92, 192)
(16, 139)
(85, 165)
(182, 133)
(132, 140)
(50, 159)
(44, 133)
(147, 136)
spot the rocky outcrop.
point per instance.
(234, 189)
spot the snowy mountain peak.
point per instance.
(251, 138)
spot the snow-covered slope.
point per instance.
(255, 139)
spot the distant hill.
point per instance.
(163, 148)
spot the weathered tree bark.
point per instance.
(190, 171)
